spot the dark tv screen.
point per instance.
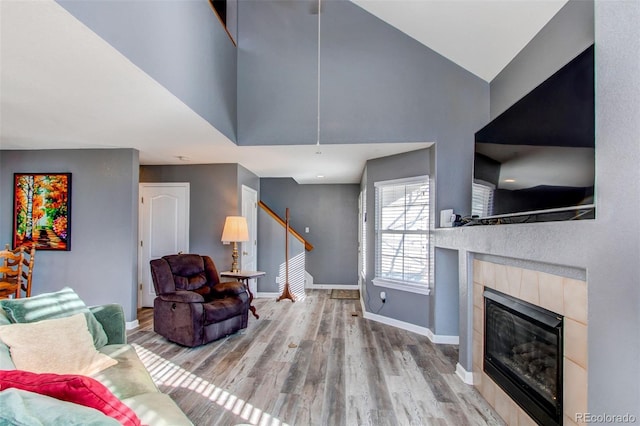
(538, 157)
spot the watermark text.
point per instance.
(605, 418)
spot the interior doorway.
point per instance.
(163, 229)
(249, 249)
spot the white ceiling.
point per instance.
(63, 87)
(482, 36)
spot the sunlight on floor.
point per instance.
(167, 373)
(296, 277)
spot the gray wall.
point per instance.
(445, 296)
(614, 247)
(102, 264)
(404, 306)
(607, 248)
(377, 85)
(331, 213)
(232, 19)
(215, 194)
(181, 44)
(276, 105)
(247, 178)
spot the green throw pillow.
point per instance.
(59, 304)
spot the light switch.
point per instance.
(306, 230)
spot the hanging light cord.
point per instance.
(318, 94)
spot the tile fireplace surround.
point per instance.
(565, 296)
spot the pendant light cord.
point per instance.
(318, 94)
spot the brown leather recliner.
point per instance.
(192, 306)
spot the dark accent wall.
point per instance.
(102, 266)
(331, 213)
(214, 195)
(486, 169)
(558, 112)
(181, 44)
(569, 33)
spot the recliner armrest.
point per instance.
(228, 288)
(182, 296)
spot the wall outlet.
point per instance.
(383, 296)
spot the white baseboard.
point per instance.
(266, 295)
(269, 295)
(443, 339)
(464, 375)
(130, 325)
(334, 287)
(424, 331)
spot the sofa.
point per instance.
(127, 382)
(193, 307)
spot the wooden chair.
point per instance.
(27, 269)
(11, 263)
(27, 266)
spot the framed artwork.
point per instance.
(42, 210)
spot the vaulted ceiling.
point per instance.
(482, 36)
(63, 87)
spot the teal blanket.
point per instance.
(22, 408)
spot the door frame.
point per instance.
(141, 264)
(252, 226)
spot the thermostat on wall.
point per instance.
(447, 218)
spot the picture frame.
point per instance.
(42, 210)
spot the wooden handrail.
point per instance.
(224, 25)
(307, 245)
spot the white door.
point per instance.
(249, 249)
(163, 229)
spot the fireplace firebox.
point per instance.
(523, 354)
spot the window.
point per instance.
(402, 234)
(363, 234)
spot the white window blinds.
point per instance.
(402, 231)
(481, 199)
(363, 243)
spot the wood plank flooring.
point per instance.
(315, 362)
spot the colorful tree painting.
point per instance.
(42, 207)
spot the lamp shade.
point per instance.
(235, 229)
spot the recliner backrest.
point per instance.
(191, 272)
(188, 271)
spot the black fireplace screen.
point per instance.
(523, 354)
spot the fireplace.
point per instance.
(523, 354)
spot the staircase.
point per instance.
(272, 241)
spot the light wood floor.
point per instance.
(315, 362)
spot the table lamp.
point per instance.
(235, 231)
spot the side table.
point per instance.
(244, 277)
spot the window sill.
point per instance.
(402, 285)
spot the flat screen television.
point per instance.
(536, 160)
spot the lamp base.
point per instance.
(234, 265)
